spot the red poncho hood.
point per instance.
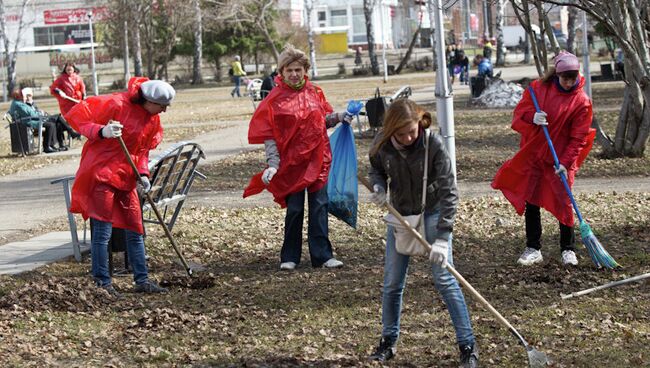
(104, 186)
(295, 119)
(530, 175)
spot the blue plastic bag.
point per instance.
(342, 184)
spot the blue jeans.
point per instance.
(101, 234)
(320, 248)
(395, 270)
(235, 91)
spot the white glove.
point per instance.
(439, 250)
(112, 130)
(540, 118)
(561, 169)
(346, 117)
(268, 174)
(146, 184)
(378, 195)
(60, 92)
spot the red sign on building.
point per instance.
(74, 16)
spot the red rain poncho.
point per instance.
(73, 86)
(296, 121)
(530, 175)
(104, 187)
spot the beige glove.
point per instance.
(112, 130)
(438, 254)
(268, 174)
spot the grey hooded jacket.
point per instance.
(404, 176)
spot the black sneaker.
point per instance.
(385, 351)
(469, 356)
(111, 291)
(149, 287)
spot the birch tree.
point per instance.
(501, 48)
(197, 77)
(309, 6)
(11, 46)
(368, 7)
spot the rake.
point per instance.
(536, 358)
(161, 220)
(596, 251)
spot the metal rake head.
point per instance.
(536, 358)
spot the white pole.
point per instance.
(444, 96)
(92, 53)
(585, 56)
(383, 40)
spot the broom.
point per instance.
(596, 251)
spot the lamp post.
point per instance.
(92, 52)
(383, 41)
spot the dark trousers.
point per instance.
(61, 126)
(49, 134)
(534, 230)
(320, 248)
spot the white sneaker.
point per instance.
(569, 258)
(530, 256)
(288, 266)
(333, 263)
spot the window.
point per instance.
(61, 35)
(322, 19)
(359, 33)
(338, 17)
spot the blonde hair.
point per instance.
(291, 54)
(400, 114)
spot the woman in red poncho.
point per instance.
(529, 180)
(105, 185)
(292, 124)
(68, 84)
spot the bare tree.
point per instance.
(368, 7)
(414, 39)
(309, 6)
(259, 14)
(501, 48)
(197, 77)
(571, 26)
(10, 55)
(629, 23)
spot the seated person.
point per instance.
(57, 119)
(484, 66)
(24, 114)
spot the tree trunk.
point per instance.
(501, 49)
(197, 76)
(572, 25)
(406, 57)
(9, 55)
(309, 5)
(433, 35)
(368, 6)
(137, 49)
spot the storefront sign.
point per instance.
(74, 16)
(59, 59)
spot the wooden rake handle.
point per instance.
(452, 270)
(161, 220)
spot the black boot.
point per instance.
(385, 351)
(469, 356)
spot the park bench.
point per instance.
(172, 175)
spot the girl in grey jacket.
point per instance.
(397, 164)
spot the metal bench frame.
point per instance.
(172, 175)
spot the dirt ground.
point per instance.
(243, 312)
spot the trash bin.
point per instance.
(476, 85)
(606, 71)
(22, 138)
(375, 108)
